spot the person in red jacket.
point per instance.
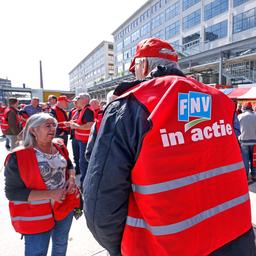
(59, 112)
(40, 187)
(161, 179)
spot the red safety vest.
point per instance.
(2, 109)
(73, 112)
(4, 124)
(61, 117)
(98, 120)
(38, 216)
(82, 135)
(189, 184)
(23, 119)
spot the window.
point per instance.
(145, 15)
(127, 54)
(188, 3)
(157, 21)
(239, 2)
(172, 11)
(175, 45)
(159, 34)
(127, 41)
(133, 50)
(145, 30)
(156, 7)
(192, 19)
(127, 65)
(244, 21)
(135, 23)
(120, 69)
(135, 35)
(215, 8)
(216, 31)
(172, 30)
(191, 38)
(119, 57)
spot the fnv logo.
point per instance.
(194, 104)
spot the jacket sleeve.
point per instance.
(15, 189)
(15, 129)
(107, 184)
(91, 142)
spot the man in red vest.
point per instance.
(82, 124)
(161, 179)
(11, 125)
(59, 112)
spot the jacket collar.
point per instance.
(157, 72)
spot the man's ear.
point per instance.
(145, 67)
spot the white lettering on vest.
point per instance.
(218, 129)
(172, 138)
(164, 138)
(183, 106)
(195, 105)
(206, 103)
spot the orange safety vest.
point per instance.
(38, 216)
(187, 186)
(4, 124)
(61, 117)
(82, 135)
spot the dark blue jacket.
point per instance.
(107, 184)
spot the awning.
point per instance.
(238, 93)
(243, 93)
(250, 94)
(227, 91)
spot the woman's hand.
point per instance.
(58, 195)
(70, 185)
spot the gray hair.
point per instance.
(28, 139)
(153, 62)
(84, 95)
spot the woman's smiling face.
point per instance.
(46, 131)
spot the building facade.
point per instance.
(216, 39)
(96, 67)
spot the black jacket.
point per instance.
(107, 184)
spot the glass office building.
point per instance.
(216, 39)
(96, 67)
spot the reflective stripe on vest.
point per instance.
(22, 218)
(36, 202)
(178, 183)
(185, 224)
(82, 134)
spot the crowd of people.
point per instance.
(161, 169)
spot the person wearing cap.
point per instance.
(33, 107)
(248, 137)
(161, 179)
(59, 112)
